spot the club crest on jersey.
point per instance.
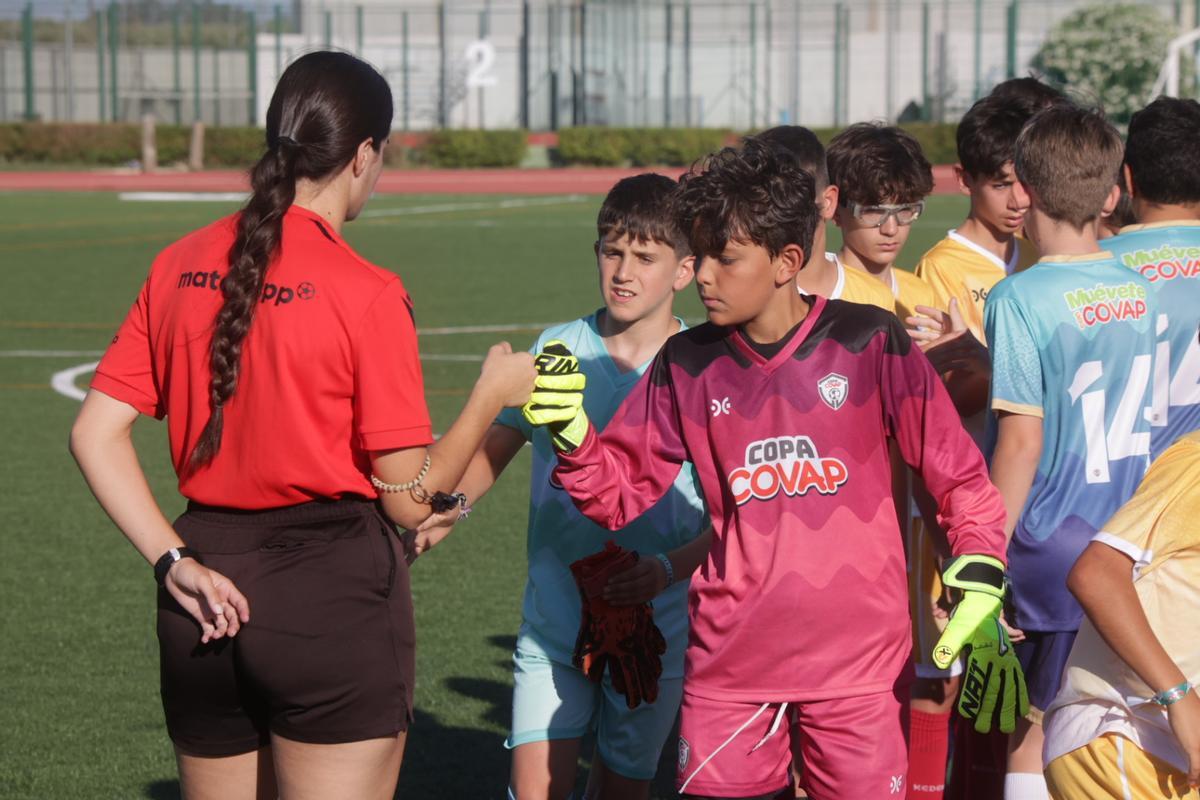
(789, 464)
(833, 389)
(685, 752)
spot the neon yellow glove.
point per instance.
(993, 685)
(557, 399)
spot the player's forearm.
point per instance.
(500, 446)
(933, 441)
(687, 558)
(1102, 582)
(968, 389)
(601, 477)
(1014, 464)
(449, 457)
(103, 448)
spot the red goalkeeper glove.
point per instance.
(623, 638)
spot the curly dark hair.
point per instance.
(756, 194)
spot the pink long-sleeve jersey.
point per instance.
(803, 595)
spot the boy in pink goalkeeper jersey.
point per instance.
(785, 403)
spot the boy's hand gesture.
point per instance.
(993, 685)
(506, 376)
(641, 583)
(428, 534)
(1184, 716)
(946, 341)
(622, 638)
(557, 399)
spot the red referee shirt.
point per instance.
(329, 370)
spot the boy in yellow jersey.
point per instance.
(1126, 722)
(824, 274)
(985, 248)
(883, 179)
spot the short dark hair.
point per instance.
(1028, 95)
(988, 133)
(874, 163)
(1070, 158)
(1163, 151)
(755, 194)
(639, 207)
(804, 146)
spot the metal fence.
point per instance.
(536, 64)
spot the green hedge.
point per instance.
(470, 148)
(639, 147)
(116, 144)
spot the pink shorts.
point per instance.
(852, 747)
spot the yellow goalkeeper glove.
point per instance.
(993, 692)
(557, 399)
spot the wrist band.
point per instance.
(666, 562)
(392, 488)
(168, 559)
(1169, 697)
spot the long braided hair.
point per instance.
(325, 106)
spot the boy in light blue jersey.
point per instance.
(1162, 169)
(642, 264)
(1072, 342)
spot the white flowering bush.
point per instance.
(1108, 55)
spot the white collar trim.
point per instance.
(1012, 261)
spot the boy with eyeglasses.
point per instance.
(884, 177)
(824, 274)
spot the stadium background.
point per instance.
(532, 64)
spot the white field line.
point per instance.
(63, 381)
(51, 353)
(182, 197)
(438, 208)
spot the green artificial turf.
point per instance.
(79, 708)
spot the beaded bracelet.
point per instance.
(666, 562)
(392, 488)
(1169, 697)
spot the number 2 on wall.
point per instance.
(1119, 441)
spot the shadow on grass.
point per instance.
(163, 790)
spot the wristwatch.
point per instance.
(163, 565)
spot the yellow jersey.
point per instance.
(856, 286)
(957, 267)
(1157, 530)
(910, 292)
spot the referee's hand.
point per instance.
(211, 598)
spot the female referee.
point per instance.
(287, 369)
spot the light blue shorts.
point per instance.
(557, 701)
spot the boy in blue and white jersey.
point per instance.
(642, 263)
(1162, 169)
(1072, 344)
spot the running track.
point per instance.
(457, 181)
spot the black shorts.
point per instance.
(327, 656)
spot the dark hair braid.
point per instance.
(325, 106)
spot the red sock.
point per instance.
(928, 744)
